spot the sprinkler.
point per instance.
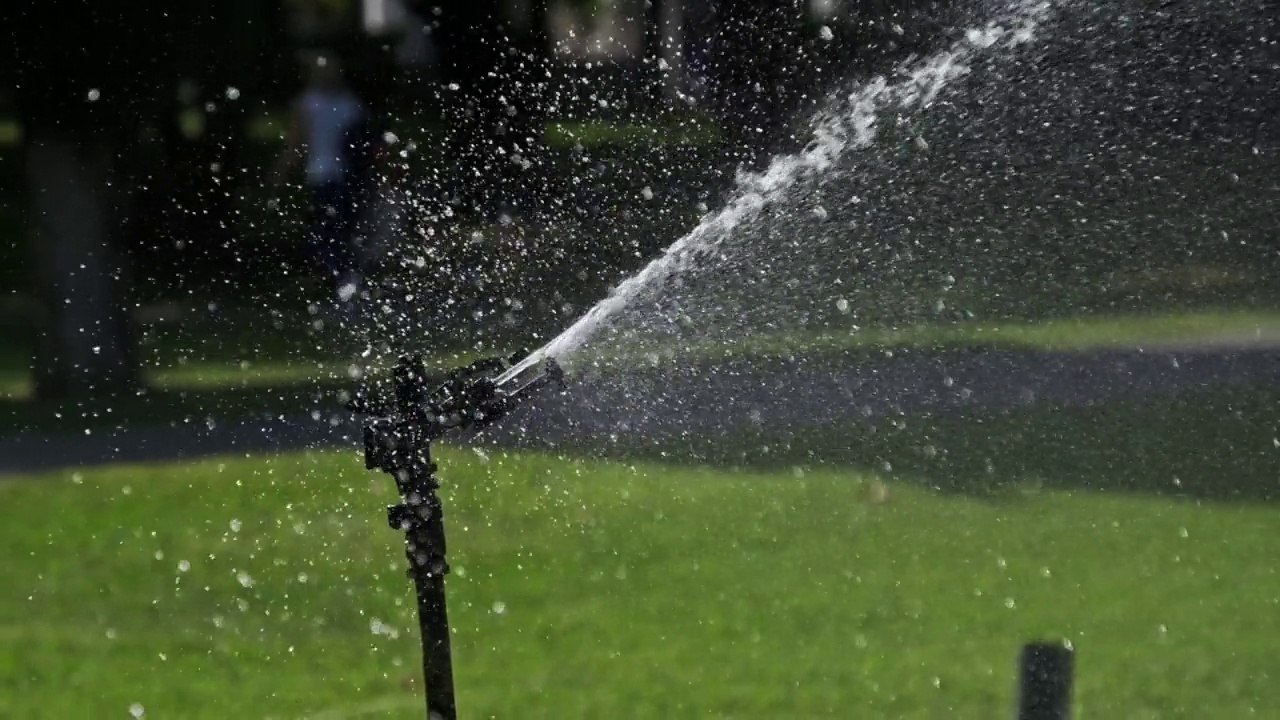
(397, 441)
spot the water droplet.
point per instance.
(233, 93)
(183, 566)
(499, 607)
(137, 710)
(94, 94)
(235, 525)
(245, 579)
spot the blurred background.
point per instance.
(518, 140)
(968, 338)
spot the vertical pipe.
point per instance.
(1044, 681)
(433, 618)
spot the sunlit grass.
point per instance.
(269, 127)
(246, 374)
(1071, 333)
(689, 131)
(201, 375)
(16, 383)
(10, 132)
(617, 589)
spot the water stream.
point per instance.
(849, 124)
(1056, 158)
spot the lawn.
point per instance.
(844, 585)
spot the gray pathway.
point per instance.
(792, 394)
(776, 394)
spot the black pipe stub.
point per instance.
(406, 418)
(1045, 672)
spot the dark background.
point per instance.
(135, 138)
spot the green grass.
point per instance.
(1088, 332)
(10, 132)
(269, 127)
(594, 134)
(635, 589)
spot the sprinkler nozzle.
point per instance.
(469, 397)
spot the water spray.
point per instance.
(397, 441)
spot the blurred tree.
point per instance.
(494, 62)
(769, 60)
(655, 39)
(759, 52)
(96, 85)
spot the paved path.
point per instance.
(776, 394)
(793, 394)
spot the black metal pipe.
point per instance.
(401, 447)
(422, 519)
(1044, 681)
(398, 442)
